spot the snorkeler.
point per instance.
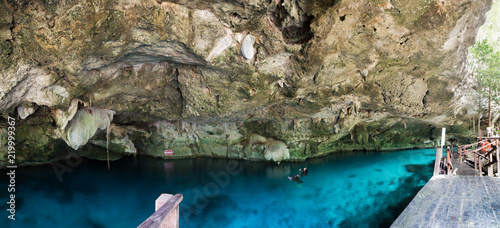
(303, 172)
(295, 178)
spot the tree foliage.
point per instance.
(485, 62)
(486, 68)
(489, 30)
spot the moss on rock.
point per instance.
(5, 52)
(360, 134)
(34, 138)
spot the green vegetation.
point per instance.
(490, 27)
(485, 63)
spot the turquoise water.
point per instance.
(358, 189)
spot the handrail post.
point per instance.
(167, 212)
(475, 161)
(439, 154)
(460, 154)
(498, 159)
(480, 166)
(490, 167)
(448, 161)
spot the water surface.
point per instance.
(356, 189)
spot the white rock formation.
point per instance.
(85, 124)
(24, 112)
(276, 150)
(247, 47)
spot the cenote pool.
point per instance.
(356, 189)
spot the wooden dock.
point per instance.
(454, 201)
(461, 198)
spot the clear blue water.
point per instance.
(358, 189)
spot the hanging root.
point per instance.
(108, 131)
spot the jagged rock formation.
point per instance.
(85, 124)
(322, 75)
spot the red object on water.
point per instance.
(168, 152)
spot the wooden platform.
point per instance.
(462, 168)
(454, 201)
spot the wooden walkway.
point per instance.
(462, 168)
(454, 201)
(463, 197)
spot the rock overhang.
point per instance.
(363, 62)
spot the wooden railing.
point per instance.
(167, 212)
(443, 165)
(465, 148)
(437, 163)
(478, 152)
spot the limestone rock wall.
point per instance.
(320, 75)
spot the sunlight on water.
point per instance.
(357, 189)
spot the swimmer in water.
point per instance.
(295, 178)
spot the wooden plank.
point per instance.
(462, 168)
(475, 161)
(460, 154)
(468, 145)
(488, 138)
(448, 162)
(421, 206)
(453, 212)
(488, 192)
(454, 201)
(480, 165)
(498, 158)
(156, 219)
(490, 167)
